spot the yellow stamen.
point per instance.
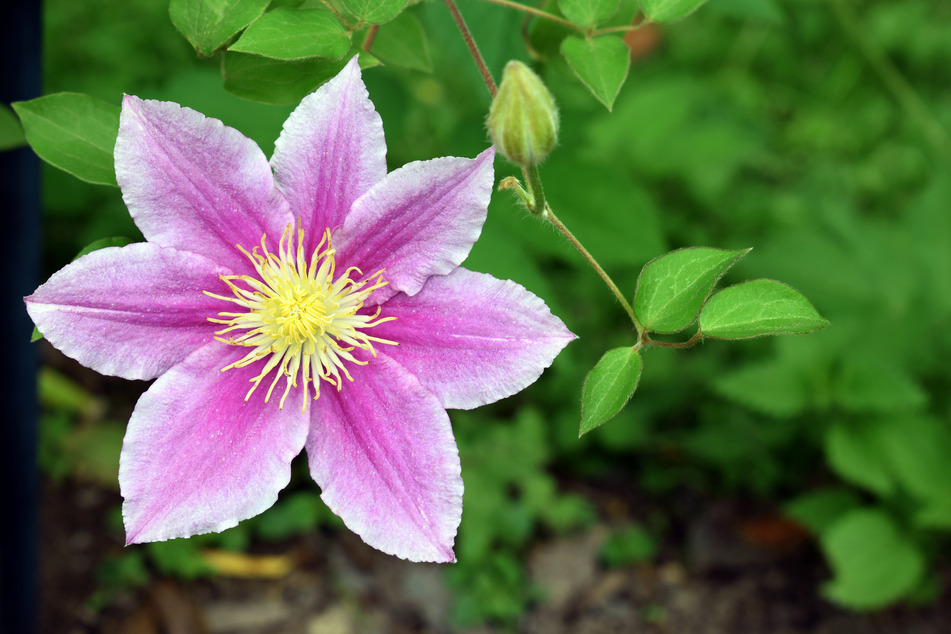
(298, 317)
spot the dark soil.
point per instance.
(338, 585)
(727, 569)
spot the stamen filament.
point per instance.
(300, 317)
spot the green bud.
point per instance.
(523, 119)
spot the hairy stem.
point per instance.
(535, 187)
(538, 205)
(553, 219)
(690, 343)
(536, 12)
(473, 47)
(343, 21)
(370, 37)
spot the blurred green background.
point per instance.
(813, 131)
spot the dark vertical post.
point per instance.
(20, 78)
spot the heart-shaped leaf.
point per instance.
(600, 63)
(293, 34)
(587, 13)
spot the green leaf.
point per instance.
(757, 308)
(11, 132)
(671, 289)
(403, 42)
(818, 510)
(92, 452)
(59, 393)
(586, 13)
(935, 516)
(374, 11)
(767, 11)
(609, 386)
(292, 34)
(874, 563)
(209, 24)
(294, 514)
(279, 82)
(629, 545)
(601, 64)
(179, 558)
(875, 383)
(73, 132)
(772, 387)
(917, 449)
(669, 10)
(853, 451)
(102, 243)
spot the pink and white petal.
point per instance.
(330, 152)
(197, 457)
(193, 183)
(421, 220)
(383, 453)
(133, 311)
(471, 338)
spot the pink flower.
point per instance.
(320, 305)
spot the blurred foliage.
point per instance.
(628, 545)
(813, 131)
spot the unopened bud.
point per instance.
(523, 119)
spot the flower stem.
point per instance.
(349, 27)
(549, 215)
(690, 343)
(536, 12)
(537, 204)
(473, 47)
(535, 188)
(370, 37)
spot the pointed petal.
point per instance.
(193, 183)
(330, 151)
(197, 458)
(383, 453)
(471, 338)
(133, 311)
(421, 220)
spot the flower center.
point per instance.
(298, 317)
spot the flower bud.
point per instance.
(523, 119)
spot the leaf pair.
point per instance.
(280, 56)
(283, 33)
(673, 291)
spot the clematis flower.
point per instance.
(314, 302)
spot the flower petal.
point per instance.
(197, 458)
(421, 220)
(471, 338)
(330, 151)
(383, 453)
(133, 311)
(193, 183)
